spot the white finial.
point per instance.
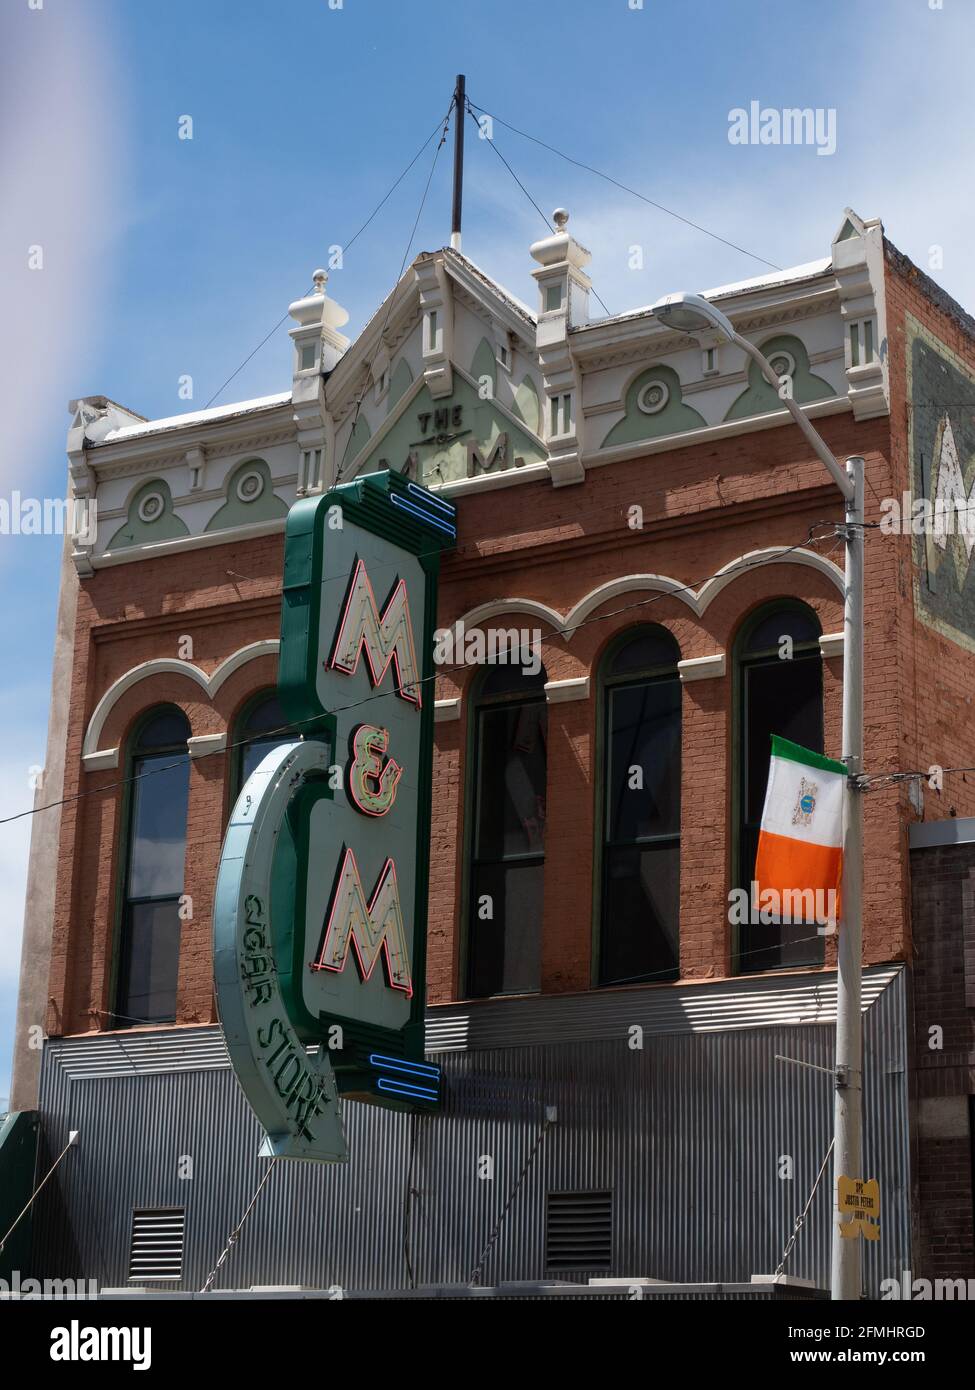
(560, 217)
(319, 279)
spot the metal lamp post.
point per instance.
(691, 313)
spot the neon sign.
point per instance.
(343, 842)
(371, 927)
(371, 782)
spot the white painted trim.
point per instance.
(831, 644)
(389, 423)
(702, 668)
(446, 711)
(202, 744)
(496, 479)
(498, 607)
(773, 554)
(598, 457)
(489, 482)
(559, 692)
(172, 666)
(698, 602)
(205, 538)
(100, 762)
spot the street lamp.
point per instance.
(691, 313)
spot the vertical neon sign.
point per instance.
(347, 889)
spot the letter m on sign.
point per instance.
(372, 927)
(386, 638)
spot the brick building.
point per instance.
(640, 503)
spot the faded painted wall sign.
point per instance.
(320, 916)
(941, 394)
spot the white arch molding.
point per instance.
(698, 601)
(94, 759)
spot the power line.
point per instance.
(346, 246)
(296, 725)
(580, 164)
(445, 123)
(524, 190)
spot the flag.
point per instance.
(800, 845)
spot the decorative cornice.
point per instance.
(224, 435)
(489, 482)
(598, 457)
(258, 441)
(184, 543)
(644, 338)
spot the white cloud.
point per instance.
(903, 127)
(60, 151)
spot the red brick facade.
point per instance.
(529, 542)
(703, 507)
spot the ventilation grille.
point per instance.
(579, 1230)
(157, 1243)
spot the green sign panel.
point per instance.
(320, 915)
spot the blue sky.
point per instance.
(165, 257)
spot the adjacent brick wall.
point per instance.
(943, 894)
(935, 676)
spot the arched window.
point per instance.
(257, 733)
(156, 847)
(779, 690)
(507, 853)
(639, 818)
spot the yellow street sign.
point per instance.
(859, 1207)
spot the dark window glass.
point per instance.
(640, 900)
(784, 697)
(644, 761)
(508, 838)
(150, 962)
(166, 730)
(149, 946)
(506, 948)
(509, 679)
(158, 826)
(510, 814)
(258, 729)
(643, 653)
(768, 630)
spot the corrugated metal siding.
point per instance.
(756, 1002)
(492, 1023)
(687, 1133)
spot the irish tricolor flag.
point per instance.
(800, 845)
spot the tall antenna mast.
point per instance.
(460, 111)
